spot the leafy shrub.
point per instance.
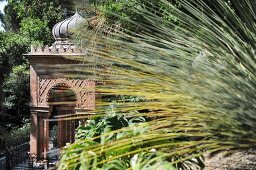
(15, 134)
(112, 127)
(16, 91)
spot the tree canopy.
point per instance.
(25, 22)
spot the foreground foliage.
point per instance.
(99, 131)
(198, 79)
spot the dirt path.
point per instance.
(239, 160)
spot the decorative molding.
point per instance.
(83, 89)
(55, 49)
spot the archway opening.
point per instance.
(62, 100)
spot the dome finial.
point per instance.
(61, 30)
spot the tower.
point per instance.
(58, 89)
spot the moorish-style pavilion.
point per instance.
(57, 89)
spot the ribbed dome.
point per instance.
(61, 29)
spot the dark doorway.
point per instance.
(61, 127)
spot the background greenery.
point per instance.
(25, 22)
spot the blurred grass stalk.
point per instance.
(197, 78)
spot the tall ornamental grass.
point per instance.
(196, 78)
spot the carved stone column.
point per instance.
(34, 133)
(46, 137)
(39, 131)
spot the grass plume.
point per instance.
(197, 78)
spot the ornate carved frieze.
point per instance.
(83, 89)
